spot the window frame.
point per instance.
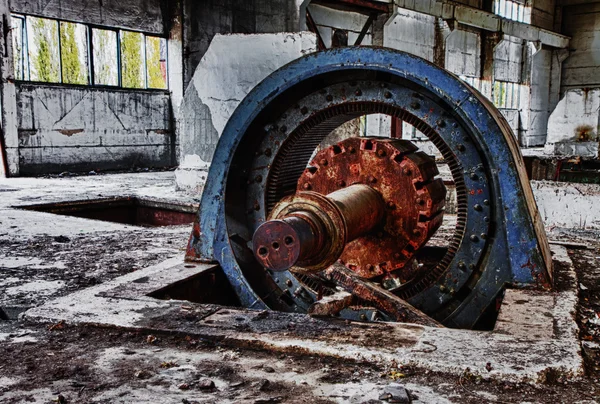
(26, 60)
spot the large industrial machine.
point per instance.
(345, 230)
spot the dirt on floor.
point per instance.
(36, 269)
(64, 364)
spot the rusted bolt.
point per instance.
(397, 256)
(289, 283)
(441, 123)
(462, 266)
(363, 317)
(391, 205)
(407, 171)
(474, 238)
(304, 110)
(387, 94)
(474, 176)
(306, 186)
(369, 267)
(351, 149)
(268, 152)
(329, 97)
(323, 162)
(381, 153)
(415, 105)
(258, 178)
(478, 207)
(341, 183)
(358, 93)
(443, 288)
(420, 201)
(372, 179)
(256, 206)
(416, 232)
(461, 147)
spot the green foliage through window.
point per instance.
(65, 52)
(73, 52)
(132, 60)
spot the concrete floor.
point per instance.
(47, 261)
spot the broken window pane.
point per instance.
(133, 72)
(106, 69)
(156, 62)
(74, 53)
(19, 48)
(42, 42)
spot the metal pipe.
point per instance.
(313, 227)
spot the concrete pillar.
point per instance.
(231, 67)
(539, 93)
(8, 100)
(174, 27)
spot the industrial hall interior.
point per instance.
(299, 201)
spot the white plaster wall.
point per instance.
(577, 107)
(568, 205)
(411, 32)
(230, 68)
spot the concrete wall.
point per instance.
(411, 32)
(577, 109)
(230, 68)
(204, 19)
(65, 128)
(463, 53)
(140, 15)
(542, 13)
(582, 67)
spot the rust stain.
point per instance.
(69, 132)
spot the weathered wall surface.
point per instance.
(66, 128)
(568, 205)
(463, 53)
(411, 32)
(542, 13)
(204, 19)
(579, 108)
(141, 15)
(582, 67)
(232, 66)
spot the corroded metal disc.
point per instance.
(414, 200)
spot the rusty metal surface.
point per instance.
(382, 299)
(413, 198)
(310, 230)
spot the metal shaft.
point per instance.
(312, 229)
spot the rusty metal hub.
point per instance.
(383, 203)
(413, 198)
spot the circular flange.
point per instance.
(414, 200)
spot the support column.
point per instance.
(9, 156)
